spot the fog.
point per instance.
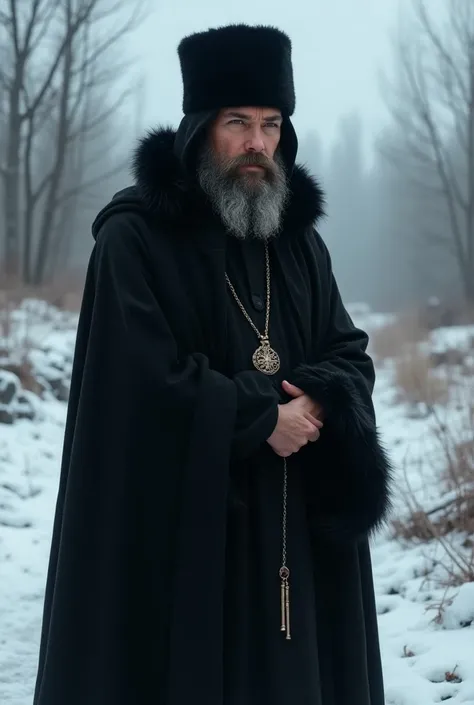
(383, 117)
(337, 49)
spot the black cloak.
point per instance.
(165, 436)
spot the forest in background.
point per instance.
(400, 229)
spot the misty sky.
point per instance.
(338, 47)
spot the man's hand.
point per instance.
(307, 403)
(297, 423)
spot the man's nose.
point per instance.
(255, 141)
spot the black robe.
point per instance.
(163, 583)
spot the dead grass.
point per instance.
(391, 341)
(451, 522)
(416, 380)
(65, 292)
(16, 342)
(24, 371)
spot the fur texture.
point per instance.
(237, 65)
(162, 185)
(350, 444)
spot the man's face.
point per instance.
(241, 170)
(248, 135)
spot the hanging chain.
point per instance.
(241, 306)
(284, 513)
(266, 360)
(284, 570)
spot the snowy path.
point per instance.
(424, 662)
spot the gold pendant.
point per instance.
(265, 359)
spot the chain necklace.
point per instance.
(266, 360)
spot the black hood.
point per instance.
(192, 133)
(163, 168)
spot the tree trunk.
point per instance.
(46, 235)
(27, 236)
(12, 183)
(468, 279)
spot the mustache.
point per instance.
(251, 159)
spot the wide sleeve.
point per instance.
(349, 470)
(134, 314)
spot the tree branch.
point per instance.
(110, 41)
(72, 28)
(101, 118)
(13, 21)
(30, 25)
(82, 187)
(44, 22)
(436, 41)
(419, 93)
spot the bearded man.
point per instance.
(222, 472)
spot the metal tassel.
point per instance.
(285, 601)
(283, 607)
(287, 610)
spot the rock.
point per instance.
(8, 392)
(60, 389)
(15, 403)
(9, 389)
(451, 356)
(6, 416)
(25, 376)
(417, 410)
(436, 314)
(24, 408)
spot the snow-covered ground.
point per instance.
(426, 631)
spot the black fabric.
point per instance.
(163, 579)
(237, 65)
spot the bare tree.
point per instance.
(433, 107)
(52, 77)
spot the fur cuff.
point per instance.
(349, 482)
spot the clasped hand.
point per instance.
(299, 422)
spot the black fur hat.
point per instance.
(237, 65)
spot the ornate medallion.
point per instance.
(265, 359)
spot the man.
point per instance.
(222, 471)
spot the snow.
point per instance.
(426, 629)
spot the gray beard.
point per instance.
(248, 205)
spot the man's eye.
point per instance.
(236, 121)
(272, 125)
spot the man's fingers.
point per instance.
(291, 389)
(313, 420)
(314, 434)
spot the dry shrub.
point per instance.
(453, 516)
(462, 313)
(415, 379)
(12, 346)
(390, 341)
(64, 292)
(24, 371)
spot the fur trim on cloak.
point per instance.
(351, 443)
(162, 186)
